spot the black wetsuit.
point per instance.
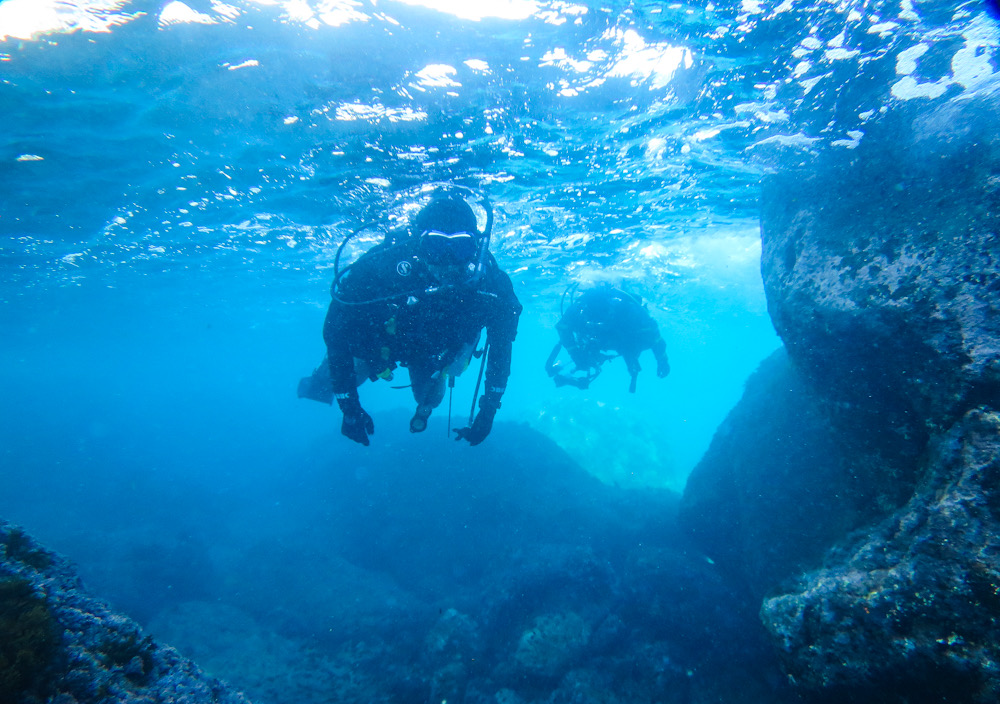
(605, 322)
(388, 310)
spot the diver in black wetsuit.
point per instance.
(604, 323)
(419, 301)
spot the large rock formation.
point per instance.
(883, 279)
(784, 481)
(518, 578)
(57, 644)
(914, 607)
(882, 266)
(791, 485)
(415, 571)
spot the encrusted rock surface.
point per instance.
(873, 462)
(882, 266)
(914, 607)
(59, 645)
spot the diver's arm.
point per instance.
(357, 424)
(632, 363)
(500, 336)
(660, 352)
(364, 280)
(501, 329)
(569, 324)
(650, 338)
(497, 371)
(338, 352)
(501, 321)
(497, 368)
(566, 337)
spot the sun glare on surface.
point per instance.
(26, 19)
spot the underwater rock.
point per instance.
(272, 667)
(576, 628)
(455, 636)
(551, 643)
(523, 579)
(59, 645)
(881, 266)
(492, 509)
(911, 612)
(414, 570)
(777, 487)
(451, 650)
(883, 279)
(329, 599)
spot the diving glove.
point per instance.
(483, 423)
(663, 369)
(357, 424)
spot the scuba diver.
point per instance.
(419, 300)
(604, 323)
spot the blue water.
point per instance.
(175, 180)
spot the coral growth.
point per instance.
(16, 545)
(27, 640)
(57, 643)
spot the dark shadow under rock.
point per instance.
(778, 486)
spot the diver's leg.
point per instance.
(428, 391)
(579, 373)
(551, 365)
(365, 371)
(632, 362)
(317, 386)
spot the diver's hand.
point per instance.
(480, 428)
(483, 423)
(662, 369)
(357, 424)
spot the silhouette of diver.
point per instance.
(419, 300)
(601, 324)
